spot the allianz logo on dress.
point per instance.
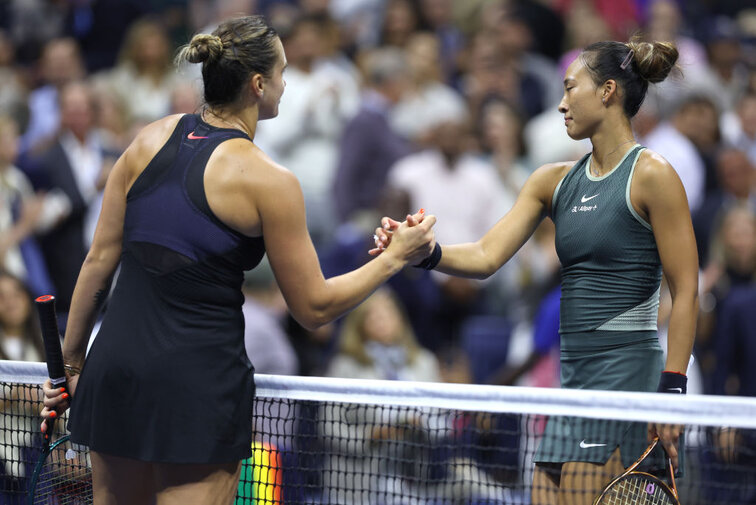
(584, 208)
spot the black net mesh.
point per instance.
(311, 452)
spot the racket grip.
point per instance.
(53, 354)
(51, 338)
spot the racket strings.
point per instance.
(64, 482)
(636, 490)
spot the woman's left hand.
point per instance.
(382, 237)
(669, 436)
(57, 400)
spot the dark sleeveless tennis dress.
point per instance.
(167, 378)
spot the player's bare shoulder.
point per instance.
(544, 180)
(153, 137)
(653, 172)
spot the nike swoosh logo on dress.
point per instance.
(584, 445)
(584, 199)
(192, 136)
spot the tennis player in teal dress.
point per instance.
(621, 218)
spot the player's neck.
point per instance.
(609, 146)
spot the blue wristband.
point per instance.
(431, 261)
(673, 382)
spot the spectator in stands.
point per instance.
(673, 139)
(376, 342)
(538, 75)
(734, 352)
(401, 18)
(13, 92)
(20, 340)
(466, 194)
(369, 146)
(732, 264)
(74, 164)
(144, 77)
(22, 213)
(304, 136)
(736, 177)
(264, 310)
(20, 337)
(726, 76)
(59, 65)
(428, 100)
(739, 127)
(439, 17)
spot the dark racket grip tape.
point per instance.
(51, 337)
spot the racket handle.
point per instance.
(53, 354)
(51, 337)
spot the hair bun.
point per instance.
(203, 48)
(654, 60)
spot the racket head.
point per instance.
(61, 476)
(637, 488)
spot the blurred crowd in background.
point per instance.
(390, 106)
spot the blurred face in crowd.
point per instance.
(14, 303)
(61, 62)
(399, 22)
(664, 22)
(383, 321)
(437, 12)
(77, 109)
(273, 87)
(699, 121)
(739, 240)
(581, 103)
(450, 138)
(6, 50)
(304, 45)
(153, 48)
(423, 57)
(501, 128)
(736, 173)
(8, 142)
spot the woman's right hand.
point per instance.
(413, 240)
(382, 237)
(57, 400)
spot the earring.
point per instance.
(603, 100)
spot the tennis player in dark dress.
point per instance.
(621, 218)
(164, 398)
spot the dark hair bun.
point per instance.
(654, 60)
(202, 48)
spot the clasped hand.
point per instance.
(415, 229)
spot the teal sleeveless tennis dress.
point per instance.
(611, 274)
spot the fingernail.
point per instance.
(62, 389)
(375, 237)
(64, 395)
(422, 211)
(386, 226)
(53, 415)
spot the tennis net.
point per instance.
(320, 440)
